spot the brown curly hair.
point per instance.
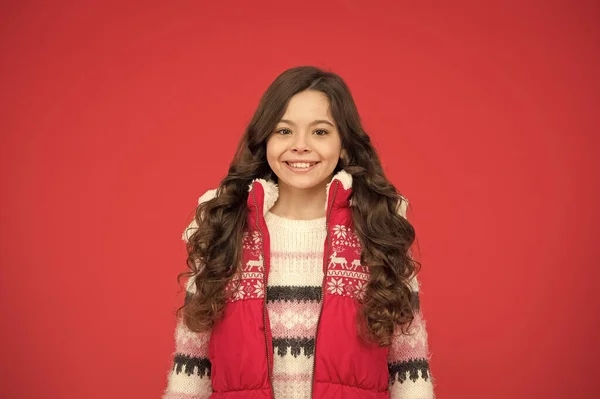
(214, 248)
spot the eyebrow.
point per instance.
(315, 122)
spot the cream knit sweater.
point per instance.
(293, 300)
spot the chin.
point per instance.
(303, 186)
(303, 182)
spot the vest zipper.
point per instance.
(262, 247)
(328, 239)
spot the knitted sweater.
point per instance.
(293, 303)
(293, 300)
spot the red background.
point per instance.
(115, 118)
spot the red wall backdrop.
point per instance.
(115, 118)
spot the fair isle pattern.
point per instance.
(346, 276)
(294, 301)
(408, 357)
(247, 283)
(189, 378)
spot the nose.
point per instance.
(300, 144)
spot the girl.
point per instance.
(301, 282)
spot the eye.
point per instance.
(283, 131)
(321, 132)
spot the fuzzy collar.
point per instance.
(271, 189)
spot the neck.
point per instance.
(300, 203)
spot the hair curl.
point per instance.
(214, 249)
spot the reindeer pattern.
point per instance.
(257, 265)
(247, 282)
(346, 276)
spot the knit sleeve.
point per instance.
(408, 357)
(189, 377)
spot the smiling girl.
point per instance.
(301, 280)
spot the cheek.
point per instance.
(272, 152)
(334, 146)
(332, 151)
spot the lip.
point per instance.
(300, 160)
(300, 170)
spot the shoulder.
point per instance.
(207, 196)
(193, 226)
(402, 206)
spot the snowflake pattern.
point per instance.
(252, 241)
(345, 239)
(360, 290)
(346, 276)
(239, 292)
(339, 231)
(247, 282)
(259, 288)
(335, 286)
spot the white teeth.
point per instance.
(300, 165)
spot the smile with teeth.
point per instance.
(301, 165)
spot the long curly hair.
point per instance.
(215, 250)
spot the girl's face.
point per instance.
(305, 147)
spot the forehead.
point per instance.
(308, 104)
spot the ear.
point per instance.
(344, 154)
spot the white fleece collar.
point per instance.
(271, 189)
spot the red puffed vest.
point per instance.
(240, 348)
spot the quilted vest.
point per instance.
(240, 347)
